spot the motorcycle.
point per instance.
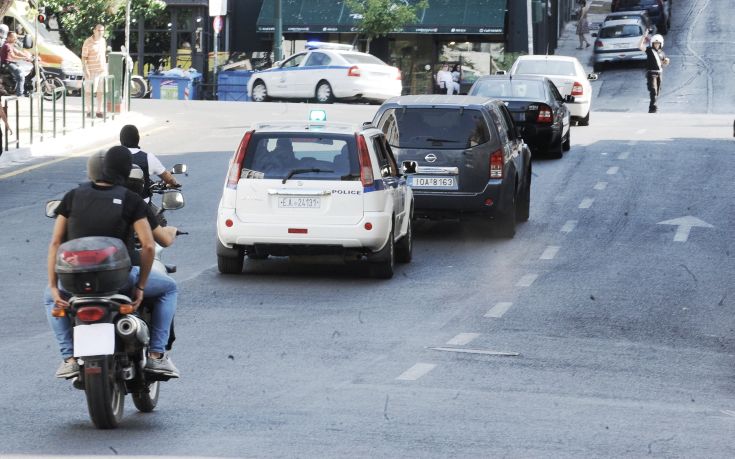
(110, 339)
(48, 82)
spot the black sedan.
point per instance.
(537, 107)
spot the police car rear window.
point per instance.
(354, 58)
(436, 128)
(307, 156)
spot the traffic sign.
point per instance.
(217, 23)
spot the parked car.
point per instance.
(620, 41)
(326, 72)
(466, 156)
(305, 188)
(641, 15)
(569, 77)
(537, 107)
(658, 10)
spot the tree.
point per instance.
(77, 18)
(378, 18)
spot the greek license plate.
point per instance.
(299, 202)
(519, 116)
(445, 183)
(94, 339)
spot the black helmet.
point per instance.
(129, 136)
(117, 165)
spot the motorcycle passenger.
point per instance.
(656, 60)
(148, 162)
(106, 208)
(10, 56)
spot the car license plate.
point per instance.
(299, 202)
(519, 116)
(445, 183)
(94, 339)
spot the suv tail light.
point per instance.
(366, 165)
(353, 71)
(544, 114)
(577, 89)
(496, 164)
(233, 174)
(91, 313)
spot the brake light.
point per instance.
(577, 89)
(87, 257)
(544, 114)
(398, 75)
(233, 174)
(354, 71)
(599, 44)
(496, 164)
(91, 313)
(366, 165)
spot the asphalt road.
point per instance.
(597, 331)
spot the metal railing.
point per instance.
(17, 121)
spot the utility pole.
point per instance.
(126, 61)
(278, 33)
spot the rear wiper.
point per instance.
(293, 172)
(431, 139)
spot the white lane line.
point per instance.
(499, 309)
(682, 233)
(586, 203)
(624, 155)
(550, 252)
(416, 371)
(641, 131)
(600, 186)
(569, 226)
(476, 351)
(462, 339)
(604, 153)
(728, 412)
(613, 170)
(527, 280)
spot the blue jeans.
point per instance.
(160, 287)
(18, 77)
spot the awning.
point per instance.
(466, 17)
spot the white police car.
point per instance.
(326, 72)
(314, 188)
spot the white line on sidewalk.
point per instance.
(416, 371)
(527, 280)
(569, 226)
(624, 155)
(613, 170)
(550, 252)
(462, 339)
(498, 310)
(586, 203)
(601, 186)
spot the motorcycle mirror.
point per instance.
(172, 200)
(179, 169)
(51, 208)
(27, 41)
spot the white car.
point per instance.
(623, 40)
(569, 77)
(326, 72)
(298, 188)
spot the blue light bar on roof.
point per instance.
(321, 45)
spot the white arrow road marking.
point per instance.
(684, 226)
(600, 186)
(416, 371)
(462, 339)
(527, 280)
(569, 226)
(613, 170)
(550, 252)
(586, 203)
(499, 309)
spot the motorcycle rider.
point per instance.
(10, 56)
(151, 165)
(656, 60)
(105, 208)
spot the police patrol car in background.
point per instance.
(326, 72)
(315, 188)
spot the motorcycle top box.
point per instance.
(93, 265)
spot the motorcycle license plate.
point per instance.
(94, 339)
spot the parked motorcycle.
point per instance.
(110, 339)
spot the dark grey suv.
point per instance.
(464, 154)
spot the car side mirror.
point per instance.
(592, 77)
(367, 124)
(594, 34)
(27, 41)
(409, 167)
(519, 132)
(51, 207)
(179, 169)
(172, 200)
(569, 99)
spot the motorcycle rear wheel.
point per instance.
(105, 395)
(147, 401)
(48, 85)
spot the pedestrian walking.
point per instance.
(583, 27)
(656, 60)
(94, 64)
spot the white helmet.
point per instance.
(657, 39)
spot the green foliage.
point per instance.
(77, 18)
(381, 17)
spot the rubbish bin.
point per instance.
(175, 87)
(232, 85)
(117, 68)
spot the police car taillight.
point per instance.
(233, 174)
(366, 165)
(353, 71)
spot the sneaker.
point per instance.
(68, 369)
(164, 366)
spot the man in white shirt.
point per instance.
(445, 80)
(151, 165)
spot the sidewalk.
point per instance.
(568, 41)
(77, 135)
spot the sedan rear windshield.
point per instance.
(354, 58)
(307, 156)
(508, 89)
(621, 31)
(545, 67)
(437, 128)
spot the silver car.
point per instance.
(620, 41)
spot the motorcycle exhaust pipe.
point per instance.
(132, 328)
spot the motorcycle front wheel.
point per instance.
(105, 395)
(147, 401)
(48, 85)
(138, 87)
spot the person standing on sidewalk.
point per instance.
(94, 64)
(656, 60)
(583, 27)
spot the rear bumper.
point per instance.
(377, 90)
(453, 204)
(541, 137)
(619, 56)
